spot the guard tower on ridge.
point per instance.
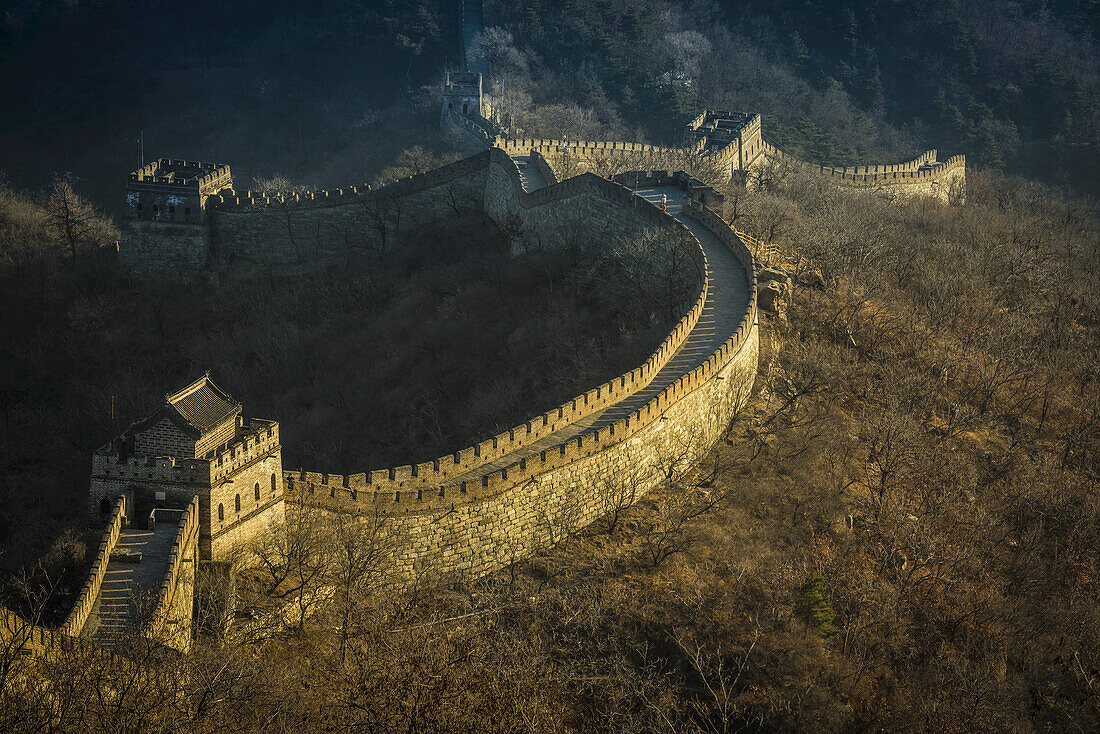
(196, 444)
(163, 236)
(462, 94)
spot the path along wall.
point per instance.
(475, 530)
(587, 206)
(170, 619)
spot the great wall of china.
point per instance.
(475, 510)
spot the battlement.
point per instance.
(717, 129)
(255, 439)
(462, 82)
(922, 169)
(174, 191)
(444, 483)
(445, 469)
(113, 464)
(204, 178)
(248, 201)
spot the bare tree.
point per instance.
(79, 228)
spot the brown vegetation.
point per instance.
(899, 534)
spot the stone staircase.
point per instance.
(133, 579)
(529, 174)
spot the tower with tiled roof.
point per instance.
(197, 443)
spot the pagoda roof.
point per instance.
(202, 404)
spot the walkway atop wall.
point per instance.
(130, 589)
(726, 304)
(530, 174)
(472, 24)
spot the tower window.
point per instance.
(274, 484)
(257, 488)
(237, 501)
(221, 513)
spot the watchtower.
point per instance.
(196, 444)
(164, 235)
(170, 190)
(735, 137)
(462, 94)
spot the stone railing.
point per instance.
(184, 548)
(78, 617)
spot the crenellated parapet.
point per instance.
(174, 172)
(174, 191)
(82, 608)
(722, 145)
(109, 464)
(259, 201)
(922, 176)
(169, 620)
(256, 438)
(432, 487)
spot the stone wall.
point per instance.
(19, 637)
(248, 467)
(225, 543)
(153, 251)
(170, 618)
(541, 508)
(477, 529)
(256, 229)
(78, 617)
(923, 176)
(164, 438)
(586, 206)
(946, 181)
(178, 479)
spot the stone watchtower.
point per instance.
(196, 444)
(734, 137)
(163, 234)
(462, 94)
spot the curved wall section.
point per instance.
(539, 499)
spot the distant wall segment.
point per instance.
(720, 145)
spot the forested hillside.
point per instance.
(1013, 85)
(329, 95)
(900, 531)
